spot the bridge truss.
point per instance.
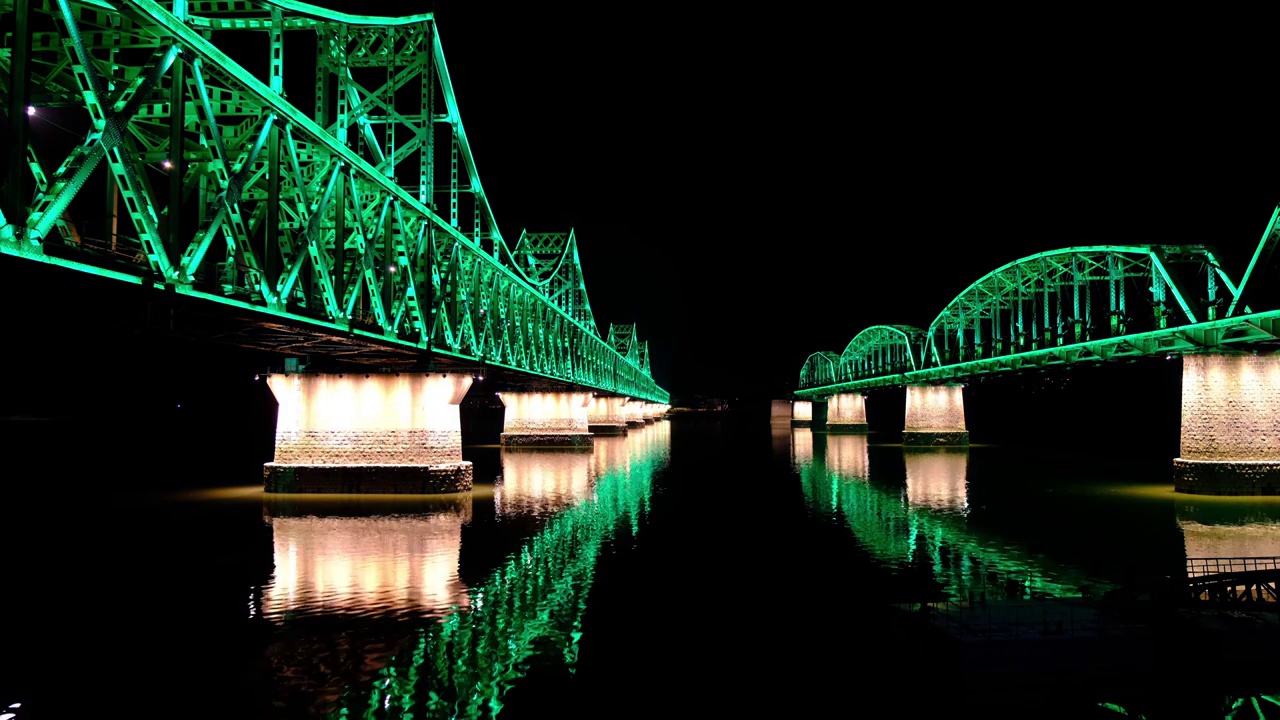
(1078, 304)
(351, 211)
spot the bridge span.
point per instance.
(1081, 305)
(332, 214)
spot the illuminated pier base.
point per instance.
(847, 414)
(605, 416)
(633, 412)
(354, 433)
(545, 419)
(1230, 425)
(648, 412)
(780, 413)
(935, 416)
(801, 413)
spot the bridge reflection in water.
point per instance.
(404, 567)
(367, 565)
(923, 529)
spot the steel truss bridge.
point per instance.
(347, 220)
(1078, 304)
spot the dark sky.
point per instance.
(752, 186)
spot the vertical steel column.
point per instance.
(270, 251)
(453, 174)
(1213, 294)
(173, 245)
(112, 196)
(1075, 285)
(340, 204)
(1111, 274)
(1158, 298)
(324, 96)
(17, 196)
(1047, 327)
(426, 151)
(389, 142)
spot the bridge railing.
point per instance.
(1200, 567)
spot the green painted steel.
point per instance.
(1078, 304)
(344, 215)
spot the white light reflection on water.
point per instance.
(936, 478)
(377, 565)
(1229, 526)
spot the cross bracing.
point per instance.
(352, 208)
(1076, 304)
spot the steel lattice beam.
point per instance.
(325, 216)
(1072, 305)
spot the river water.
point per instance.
(698, 567)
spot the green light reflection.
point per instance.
(925, 525)
(531, 607)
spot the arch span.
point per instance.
(882, 350)
(820, 368)
(1078, 294)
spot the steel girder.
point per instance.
(882, 349)
(820, 368)
(194, 173)
(1077, 304)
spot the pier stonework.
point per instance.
(605, 416)
(935, 416)
(633, 412)
(1230, 425)
(847, 414)
(545, 419)
(355, 433)
(801, 413)
(648, 411)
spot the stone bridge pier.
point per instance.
(1230, 425)
(935, 416)
(633, 411)
(847, 414)
(605, 416)
(801, 413)
(545, 419)
(357, 433)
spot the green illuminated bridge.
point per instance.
(1078, 304)
(335, 209)
(1088, 304)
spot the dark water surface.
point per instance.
(699, 567)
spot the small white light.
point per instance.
(166, 164)
(31, 110)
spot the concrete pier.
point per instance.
(648, 412)
(356, 433)
(605, 416)
(801, 413)
(1230, 425)
(545, 419)
(780, 413)
(847, 414)
(935, 416)
(633, 412)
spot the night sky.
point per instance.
(752, 187)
